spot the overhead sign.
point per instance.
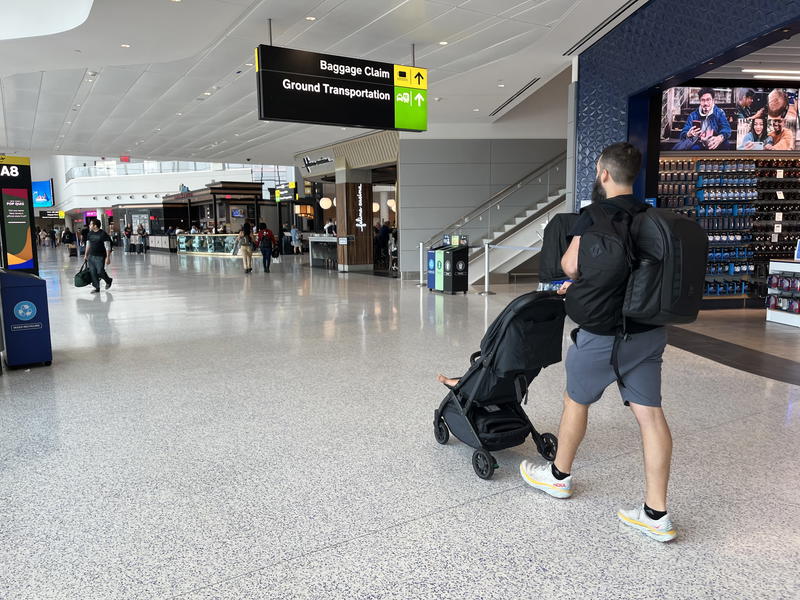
(51, 214)
(286, 192)
(308, 87)
(19, 249)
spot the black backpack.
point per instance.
(643, 264)
(554, 244)
(667, 284)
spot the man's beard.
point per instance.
(598, 193)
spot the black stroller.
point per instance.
(484, 409)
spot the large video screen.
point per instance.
(42, 193)
(729, 118)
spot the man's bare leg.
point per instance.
(657, 446)
(570, 433)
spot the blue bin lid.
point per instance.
(14, 279)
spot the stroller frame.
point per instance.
(483, 462)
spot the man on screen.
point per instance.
(782, 137)
(707, 128)
(744, 108)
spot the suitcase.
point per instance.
(73, 251)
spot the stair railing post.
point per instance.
(422, 265)
(486, 291)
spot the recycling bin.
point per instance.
(438, 283)
(431, 269)
(26, 319)
(456, 265)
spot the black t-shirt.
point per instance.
(97, 240)
(612, 206)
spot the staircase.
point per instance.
(515, 216)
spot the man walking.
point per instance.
(590, 368)
(98, 255)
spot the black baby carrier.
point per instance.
(484, 409)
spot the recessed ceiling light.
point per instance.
(311, 18)
(476, 110)
(69, 122)
(501, 85)
(90, 80)
(235, 135)
(77, 106)
(206, 93)
(179, 114)
(124, 45)
(92, 73)
(62, 135)
(787, 77)
(158, 128)
(443, 43)
(248, 64)
(775, 71)
(437, 99)
(175, 0)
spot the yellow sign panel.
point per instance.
(61, 214)
(419, 78)
(14, 160)
(411, 77)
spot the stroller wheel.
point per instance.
(483, 463)
(549, 446)
(440, 431)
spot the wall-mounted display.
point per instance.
(750, 119)
(42, 193)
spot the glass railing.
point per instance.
(512, 206)
(149, 168)
(202, 243)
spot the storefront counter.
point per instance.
(222, 245)
(163, 243)
(322, 251)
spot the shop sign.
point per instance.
(308, 87)
(360, 224)
(51, 214)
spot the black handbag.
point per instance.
(84, 276)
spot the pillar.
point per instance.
(354, 217)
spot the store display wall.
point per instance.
(634, 57)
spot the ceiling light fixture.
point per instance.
(476, 110)
(124, 45)
(779, 77)
(206, 93)
(248, 64)
(501, 85)
(777, 71)
(437, 99)
(92, 73)
(311, 18)
(443, 43)
(179, 114)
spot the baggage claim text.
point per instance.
(336, 90)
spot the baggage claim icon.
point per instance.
(25, 310)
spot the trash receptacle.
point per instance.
(439, 270)
(455, 269)
(26, 319)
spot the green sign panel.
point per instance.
(410, 108)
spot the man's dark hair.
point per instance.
(96, 222)
(704, 91)
(622, 161)
(750, 93)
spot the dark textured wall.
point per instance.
(650, 47)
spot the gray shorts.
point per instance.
(589, 370)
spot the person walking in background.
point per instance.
(297, 245)
(43, 237)
(53, 238)
(141, 232)
(266, 240)
(245, 243)
(98, 255)
(68, 240)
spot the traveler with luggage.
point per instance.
(98, 255)
(244, 242)
(623, 260)
(68, 240)
(266, 241)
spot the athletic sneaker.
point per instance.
(542, 478)
(661, 530)
(110, 281)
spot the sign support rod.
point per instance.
(269, 30)
(413, 55)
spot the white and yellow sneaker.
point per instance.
(661, 530)
(542, 478)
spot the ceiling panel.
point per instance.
(545, 13)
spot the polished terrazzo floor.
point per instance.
(205, 434)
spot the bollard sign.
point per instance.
(308, 87)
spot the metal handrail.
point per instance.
(497, 198)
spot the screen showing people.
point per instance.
(724, 119)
